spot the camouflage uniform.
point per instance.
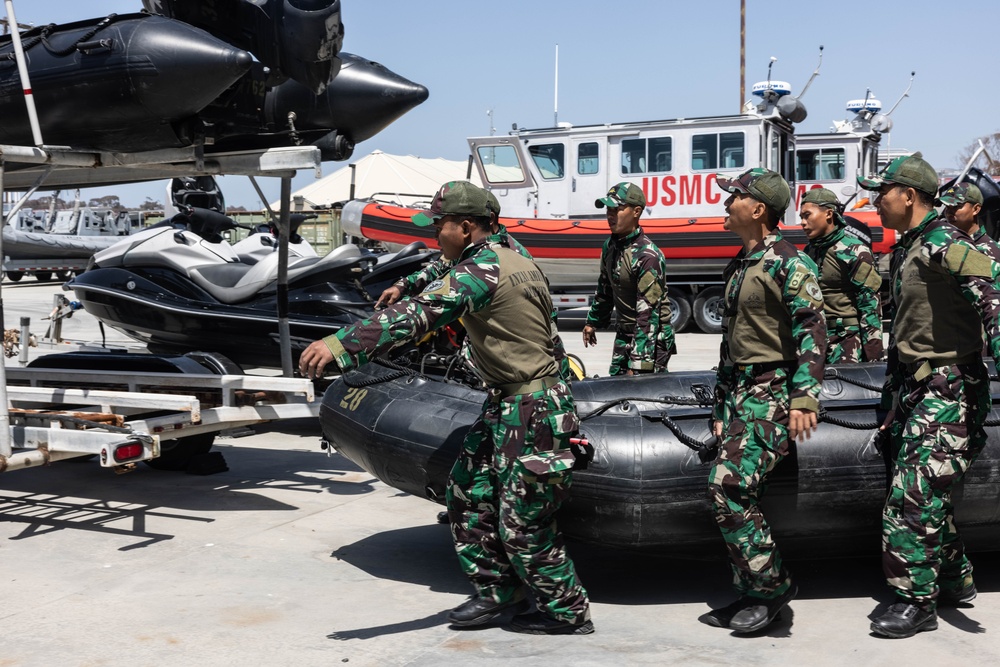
(945, 293)
(633, 282)
(986, 245)
(418, 280)
(850, 283)
(515, 468)
(773, 347)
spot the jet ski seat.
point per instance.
(233, 282)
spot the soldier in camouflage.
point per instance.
(515, 467)
(767, 391)
(416, 282)
(937, 393)
(632, 282)
(849, 280)
(962, 204)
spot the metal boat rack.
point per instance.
(124, 424)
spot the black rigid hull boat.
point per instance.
(647, 485)
(180, 290)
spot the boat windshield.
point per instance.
(820, 164)
(501, 164)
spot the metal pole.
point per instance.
(22, 68)
(284, 333)
(743, 52)
(6, 448)
(354, 173)
(555, 122)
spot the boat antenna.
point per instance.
(493, 130)
(906, 93)
(555, 122)
(769, 66)
(814, 74)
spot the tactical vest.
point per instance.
(757, 323)
(834, 282)
(511, 338)
(933, 321)
(617, 266)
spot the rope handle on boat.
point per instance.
(834, 374)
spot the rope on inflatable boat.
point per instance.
(834, 374)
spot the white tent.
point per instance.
(400, 179)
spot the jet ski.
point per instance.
(646, 484)
(180, 286)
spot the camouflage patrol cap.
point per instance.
(764, 185)
(961, 193)
(822, 197)
(909, 170)
(455, 198)
(624, 193)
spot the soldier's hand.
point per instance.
(589, 336)
(801, 423)
(314, 359)
(717, 428)
(889, 418)
(390, 296)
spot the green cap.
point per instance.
(623, 194)
(455, 198)
(909, 170)
(960, 193)
(764, 185)
(822, 197)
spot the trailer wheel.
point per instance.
(64, 275)
(680, 310)
(14, 276)
(43, 276)
(707, 311)
(177, 454)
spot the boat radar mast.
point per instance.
(867, 114)
(776, 97)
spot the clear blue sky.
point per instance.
(629, 60)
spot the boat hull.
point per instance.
(569, 250)
(645, 488)
(18, 245)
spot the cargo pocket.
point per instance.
(541, 483)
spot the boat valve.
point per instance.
(583, 452)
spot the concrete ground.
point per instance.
(296, 558)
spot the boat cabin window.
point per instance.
(641, 156)
(501, 164)
(819, 164)
(587, 159)
(724, 150)
(550, 160)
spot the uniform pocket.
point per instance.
(541, 483)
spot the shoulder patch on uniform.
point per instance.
(962, 260)
(866, 275)
(442, 286)
(795, 280)
(813, 290)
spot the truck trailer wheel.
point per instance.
(14, 276)
(680, 310)
(707, 311)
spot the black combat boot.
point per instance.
(761, 612)
(904, 619)
(480, 611)
(720, 618)
(964, 595)
(537, 623)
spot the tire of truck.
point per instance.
(176, 454)
(707, 310)
(43, 276)
(63, 275)
(14, 276)
(680, 310)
